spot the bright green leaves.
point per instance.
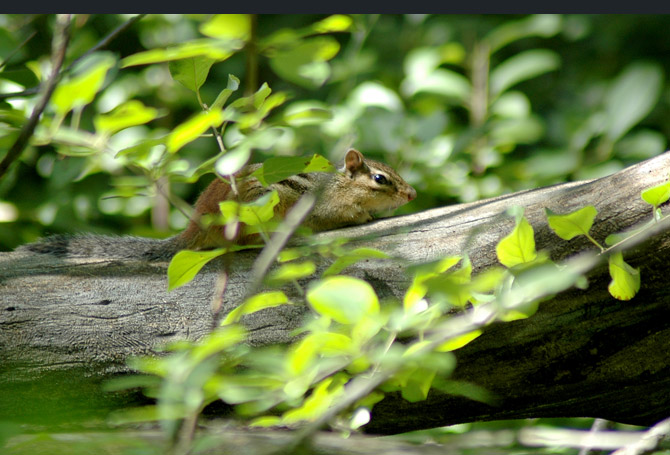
(210, 48)
(519, 246)
(78, 90)
(656, 196)
(256, 303)
(572, 224)
(193, 128)
(344, 299)
(252, 213)
(186, 264)
(228, 27)
(625, 279)
(277, 169)
(130, 113)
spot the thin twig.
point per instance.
(649, 440)
(101, 44)
(18, 48)
(598, 425)
(293, 218)
(60, 40)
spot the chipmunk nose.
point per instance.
(411, 194)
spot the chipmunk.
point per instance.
(358, 190)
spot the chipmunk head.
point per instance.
(375, 187)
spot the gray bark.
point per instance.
(583, 354)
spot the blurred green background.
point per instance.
(465, 107)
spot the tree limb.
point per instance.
(60, 40)
(582, 354)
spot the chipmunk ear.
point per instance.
(353, 161)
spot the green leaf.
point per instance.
(305, 64)
(632, 96)
(211, 48)
(259, 211)
(130, 113)
(80, 89)
(186, 264)
(518, 247)
(418, 384)
(255, 100)
(192, 128)
(142, 150)
(233, 84)
(656, 195)
(344, 299)
(191, 72)
(291, 271)
(228, 27)
(459, 342)
(544, 25)
(279, 168)
(318, 402)
(256, 303)
(522, 66)
(625, 279)
(307, 113)
(353, 257)
(572, 224)
(232, 161)
(334, 23)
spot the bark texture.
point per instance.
(583, 354)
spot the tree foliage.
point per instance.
(463, 107)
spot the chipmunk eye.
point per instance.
(380, 179)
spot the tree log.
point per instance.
(66, 321)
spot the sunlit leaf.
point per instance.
(260, 210)
(210, 48)
(232, 161)
(292, 271)
(256, 303)
(186, 264)
(519, 246)
(656, 195)
(334, 23)
(192, 128)
(130, 113)
(191, 72)
(625, 279)
(321, 398)
(572, 224)
(80, 89)
(228, 26)
(459, 342)
(344, 299)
